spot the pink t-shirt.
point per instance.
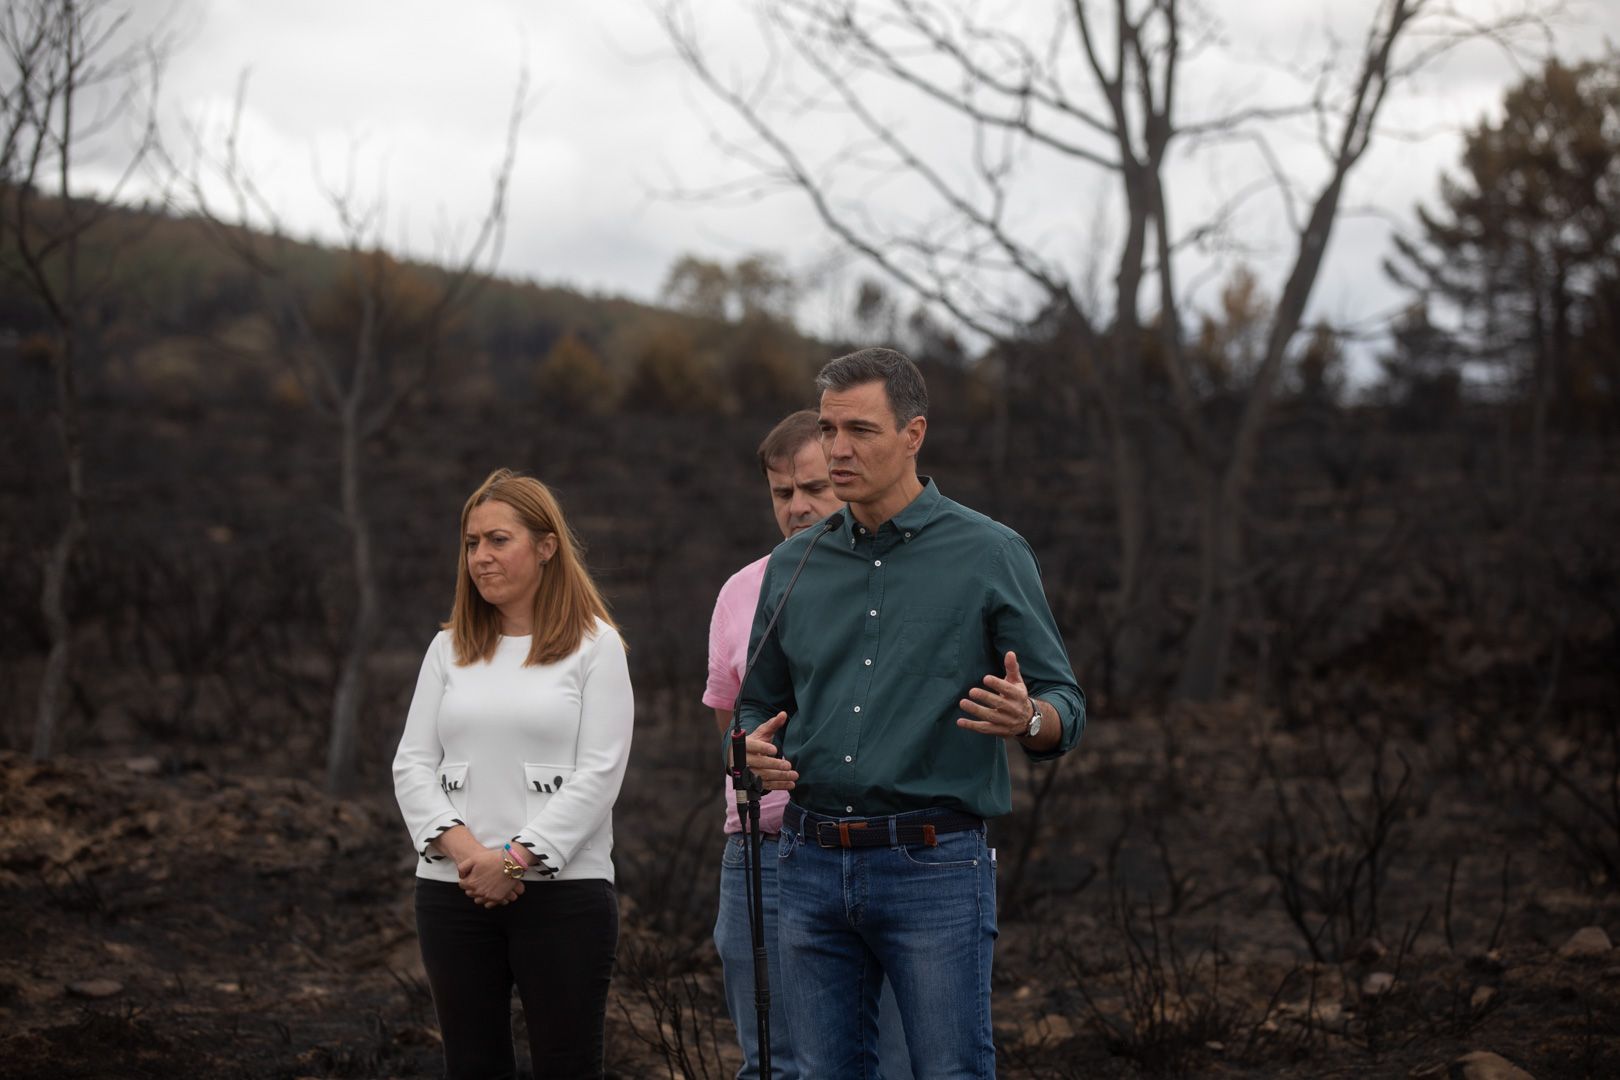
(729, 627)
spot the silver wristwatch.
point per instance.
(1034, 727)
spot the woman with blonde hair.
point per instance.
(513, 752)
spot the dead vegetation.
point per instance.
(1363, 861)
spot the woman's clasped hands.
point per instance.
(483, 879)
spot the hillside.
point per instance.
(175, 317)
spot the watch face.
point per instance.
(1035, 724)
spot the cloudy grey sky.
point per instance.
(416, 95)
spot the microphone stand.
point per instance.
(749, 789)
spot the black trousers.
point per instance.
(555, 943)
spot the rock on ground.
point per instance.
(1484, 1065)
(1589, 942)
(95, 988)
(1378, 984)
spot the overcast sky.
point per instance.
(416, 94)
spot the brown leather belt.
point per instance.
(921, 828)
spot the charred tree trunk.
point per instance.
(1129, 473)
(350, 697)
(64, 308)
(53, 597)
(1220, 565)
(1203, 665)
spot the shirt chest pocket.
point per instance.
(930, 642)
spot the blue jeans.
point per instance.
(735, 945)
(923, 916)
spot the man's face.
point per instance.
(867, 458)
(800, 492)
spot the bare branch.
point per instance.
(1024, 94)
(911, 163)
(676, 20)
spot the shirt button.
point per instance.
(873, 613)
(848, 758)
(868, 661)
(877, 562)
(908, 536)
(857, 708)
(849, 809)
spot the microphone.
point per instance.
(739, 738)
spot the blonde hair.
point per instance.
(566, 604)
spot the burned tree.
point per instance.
(68, 82)
(954, 107)
(359, 348)
(1520, 261)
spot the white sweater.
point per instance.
(529, 754)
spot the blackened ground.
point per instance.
(245, 926)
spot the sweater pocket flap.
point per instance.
(452, 777)
(542, 779)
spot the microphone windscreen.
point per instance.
(833, 523)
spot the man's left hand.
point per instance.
(1001, 707)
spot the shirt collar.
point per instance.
(912, 518)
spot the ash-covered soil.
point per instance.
(1189, 896)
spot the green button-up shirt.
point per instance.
(884, 633)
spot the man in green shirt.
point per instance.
(916, 647)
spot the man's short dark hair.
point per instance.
(787, 438)
(902, 382)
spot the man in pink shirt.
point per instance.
(801, 495)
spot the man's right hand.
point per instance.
(774, 771)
